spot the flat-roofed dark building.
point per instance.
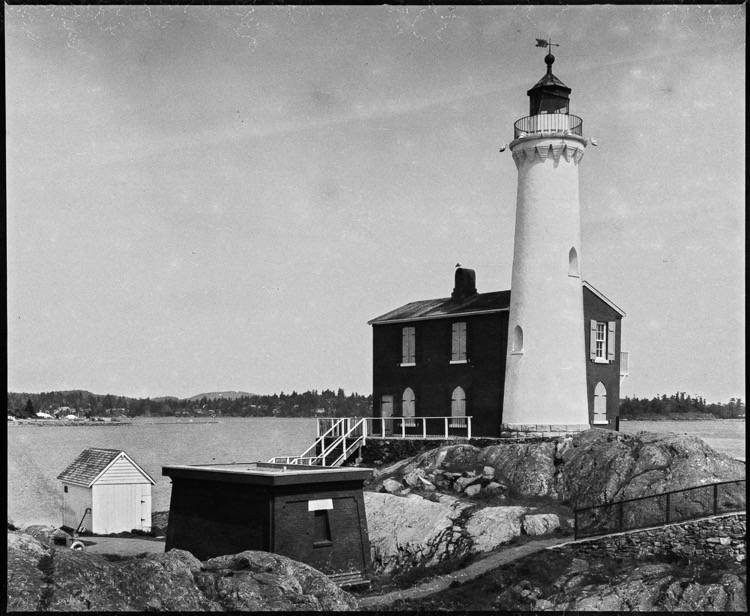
(310, 514)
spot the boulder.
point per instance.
(490, 527)
(464, 482)
(540, 524)
(412, 477)
(48, 579)
(493, 487)
(473, 490)
(413, 530)
(391, 486)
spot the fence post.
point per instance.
(666, 521)
(424, 428)
(716, 498)
(382, 426)
(446, 428)
(403, 428)
(619, 515)
(468, 425)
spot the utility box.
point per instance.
(315, 515)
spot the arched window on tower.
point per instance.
(600, 403)
(408, 407)
(517, 339)
(458, 408)
(573, 269)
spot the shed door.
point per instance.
(116, 508)
(145, 507)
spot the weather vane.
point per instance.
(549, 44)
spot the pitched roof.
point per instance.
(91, 463)
(480, 303)
(497, 301)
(549, 80)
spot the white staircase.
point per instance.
(333, 447)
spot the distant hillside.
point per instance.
(165, 399)
(224, 395)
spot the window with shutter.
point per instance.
(408, 339)
(458, 408)
(600, 404)
(458, 343)
(408, 407)
(611, 341)
(602, 342)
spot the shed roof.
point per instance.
(92, 463)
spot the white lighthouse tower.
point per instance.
(545, 374)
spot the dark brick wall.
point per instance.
(434, 378)
(213, 518)
(608, 374)
(349, 547)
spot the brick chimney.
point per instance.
(466, 283)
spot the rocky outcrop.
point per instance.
(590, 468)
(45, 578)
(412, 530)
(651, 587)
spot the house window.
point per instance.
(573, 269)
(321, 528)
(517, 339)
(600, 404)
(65, 489)
(602, 342)
(458, 408)
(408, 407)
(408, 338)
(458, 343)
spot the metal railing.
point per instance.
(551, 123)
(338, 438)
(659, 509)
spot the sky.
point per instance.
(209, 198)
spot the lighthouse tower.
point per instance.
(545, 374)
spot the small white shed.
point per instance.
(105, 491)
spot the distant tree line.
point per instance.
(679, 404)
(85, 404)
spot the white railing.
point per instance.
(346, 435)
(624, 363)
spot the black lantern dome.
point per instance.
(549, 95)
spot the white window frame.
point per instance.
(600, 393)
(458, 343)
(602, 341)
(408, 346)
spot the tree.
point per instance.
(29, 409)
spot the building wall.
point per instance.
(75, 502)
(608, 374)
(214, 518)
(434, 378)
(294, 535)
(121, 507)
(121, 471)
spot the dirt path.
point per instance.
(469, 573)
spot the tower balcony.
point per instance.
(548, 123)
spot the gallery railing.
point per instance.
(550, 123)
(659, 509)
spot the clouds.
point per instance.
(234, 191)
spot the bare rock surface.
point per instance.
(490, 527)
(654, 587)
(615, 466)
(44, 578)
(540, 523)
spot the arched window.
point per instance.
(458, 408)
(517, 339)
(600, 403)
(408, 406)
(573, 269)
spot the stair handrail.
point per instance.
(359, 440)
(321, 439)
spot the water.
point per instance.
(724, 435)
(37, 455)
